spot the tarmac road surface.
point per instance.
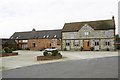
(106, 67)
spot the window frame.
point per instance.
(71, 35)
(67, 43)
(34, 45)
(107, 43)
(86, 33)
(76, 43)
(96, 43)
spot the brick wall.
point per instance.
(39, 44)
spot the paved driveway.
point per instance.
(27, 58)
(91, 68)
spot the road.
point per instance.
(87, 68)
(28, 58)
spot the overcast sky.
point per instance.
(24, 15)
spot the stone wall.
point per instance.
(92, 33)
(101, 35)
(102, 45)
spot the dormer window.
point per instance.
(44, 36)
(11, 37)
(16, 37)
(86, 33)
(47, 36)
(55, 36)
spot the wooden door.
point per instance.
(86, 45)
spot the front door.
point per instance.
(68, 44)
(86, 45)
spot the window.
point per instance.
(11, 37)
(107, 43)
(86, 33)
(24, 40)
(16, 37)
(76, 43)
(55, 36)
(50, 44)
(67, 43)
(24, 46)
(47, 36)
(72, 35)
(96, 43)
(33, 44)
(44, 36)
(20, 41)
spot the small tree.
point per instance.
(65, 49)
(108, 49)
(45, 53)
(92, 48)
(7, 50)
(54, 52)
(81, 49)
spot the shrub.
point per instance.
(19, 48)
(2, 51)
(41, 49)
(45, 53)
(65, 49)
(7, 50)
(108, 49)
(118, 47)
(27, 49)
(81, 49)
(54, 52)
(13, 49)
(92, 48)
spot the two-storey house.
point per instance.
(98, 35)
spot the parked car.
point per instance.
(50, 49)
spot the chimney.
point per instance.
(113, 17)
(33, 29)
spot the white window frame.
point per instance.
(24, 40)
(44, 36)
(67, 43)
(16, 37)
(86, 33)
(47, 36)
(76, 43)
(55, 36)
(71, 35)
(107, 43)
(96, 43)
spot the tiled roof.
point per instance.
(96, 25)
(8, 41)
(37, 34)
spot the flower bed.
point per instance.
(49, 55)
(41, 58)
(8, 54)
